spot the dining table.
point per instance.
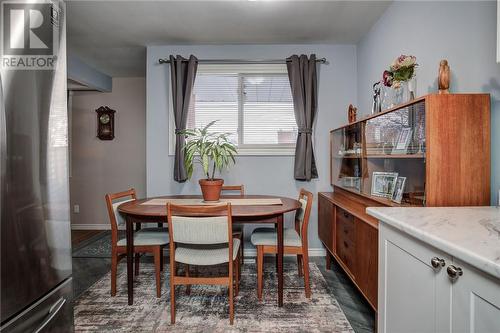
(246, 209)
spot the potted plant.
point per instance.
(214, 152)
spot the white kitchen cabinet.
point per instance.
(475, 301)
(417, 296)
(413, 295)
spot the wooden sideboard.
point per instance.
(446, 162)
(351, 237)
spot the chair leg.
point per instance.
(305, 263)
(260, 268)
(237, 278)
(172, 294)
(299, 263)
(162, 259)
(328, 259)
(188, 286)
(136, 264)
(157, 259)
(114, 266)
(231, 300)
(242, 244)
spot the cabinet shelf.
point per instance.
(348, 156)
(419, 155)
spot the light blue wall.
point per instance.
(260, 174)
(462, 32)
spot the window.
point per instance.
(252, 102)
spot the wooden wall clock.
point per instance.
(105, 123)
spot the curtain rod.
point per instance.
(240, 61)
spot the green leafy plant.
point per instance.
(212, 150)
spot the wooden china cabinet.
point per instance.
(439, 143)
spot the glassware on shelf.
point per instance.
(387, 98)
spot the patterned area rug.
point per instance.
(206, 309)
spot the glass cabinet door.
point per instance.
(346, 152)
(380, 151)
(401, 132)
(395, 144)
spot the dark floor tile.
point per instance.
(87, 271)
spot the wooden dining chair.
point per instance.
(237, 229)
(202, 236)
(295, 242)
(145, 241)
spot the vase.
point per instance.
(401, 93)
(387, 98)
(398, 94)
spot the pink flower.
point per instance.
(387, 78)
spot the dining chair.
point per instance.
(237, 229)
(202, 236)
(145, 241)
(295, 242)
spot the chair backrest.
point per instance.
(115, 218)
(234, 188)
(302, 215)
(199, 224)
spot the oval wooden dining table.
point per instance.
(137, 212)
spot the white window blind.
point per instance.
(252, 102)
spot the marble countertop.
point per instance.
(471, 234)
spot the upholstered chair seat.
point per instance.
(146, 238)
(269, 236)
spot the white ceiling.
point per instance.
(112, 35)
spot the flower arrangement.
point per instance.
(402, 69)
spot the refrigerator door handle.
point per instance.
(54, 310)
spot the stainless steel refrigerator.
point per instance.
(36, 283)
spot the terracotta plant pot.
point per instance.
(211, 189)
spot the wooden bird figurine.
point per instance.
(352, 113)
(444, 77)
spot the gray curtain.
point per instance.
(182, 73)
(303, 81)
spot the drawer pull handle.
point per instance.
(345, 244)
(437, 262)
(454, 272)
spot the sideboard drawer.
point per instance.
(344, 215)
(346, 253)
(346, 230)
(345, 225)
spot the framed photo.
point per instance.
(397, 196)
(403, 141)
(383, 184)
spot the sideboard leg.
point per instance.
(328, 258)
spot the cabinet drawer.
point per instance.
(346, 253)
(346, 230)
(343, 215)
(345, 225)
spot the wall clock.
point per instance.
(105, 123)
